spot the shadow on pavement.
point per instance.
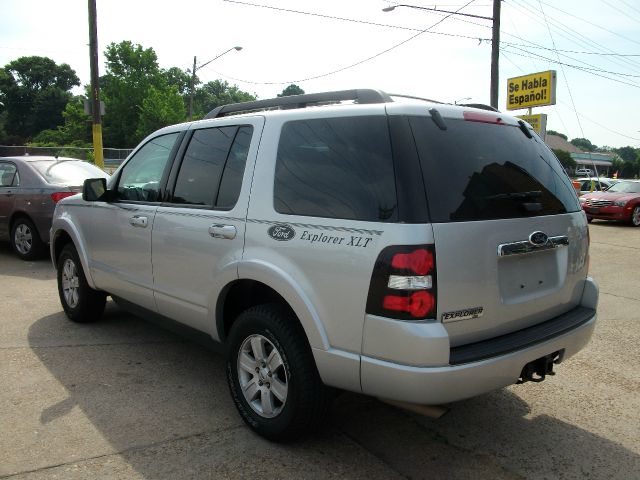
(162, 404)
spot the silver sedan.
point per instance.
(30, 187)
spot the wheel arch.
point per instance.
(63, 233)
(260, 284)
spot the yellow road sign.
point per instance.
(533, 90)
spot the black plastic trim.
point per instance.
(362, 96)
(521, 339)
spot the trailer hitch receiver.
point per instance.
(537, 370)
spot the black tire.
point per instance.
(307, 399)
(80, 302)
(589, 219)
(25, 239)
(635, 216)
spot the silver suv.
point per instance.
(414, 251)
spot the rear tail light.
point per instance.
(403, 283)
(57, 196)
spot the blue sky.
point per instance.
(330, 45)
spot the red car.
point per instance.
(621, 202)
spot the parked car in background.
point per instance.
(593, 184)
(584, 171)
(621, 202)
(30, 187)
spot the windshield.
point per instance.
(68, 172)
(480, 171)
(625, 187)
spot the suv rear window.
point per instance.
(336, 168)
(481, 171)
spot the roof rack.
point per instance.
(362, 96)
(481, 106)
(414, 98)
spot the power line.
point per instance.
(571, 34)
(589, 67)
(620, 10)
(393, 47)
(577, 67)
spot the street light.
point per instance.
(495, 40)
(193, 76)
(393, 7)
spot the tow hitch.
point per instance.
(537, 370)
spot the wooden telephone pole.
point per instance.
(95, 86)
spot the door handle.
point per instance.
(139, 221)
(223, 231)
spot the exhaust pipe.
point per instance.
(431, 411)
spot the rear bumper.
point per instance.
(413, 362)
(436, 385)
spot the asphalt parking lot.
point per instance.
(124, 398)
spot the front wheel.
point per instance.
(635, 216)
(80, 302)
(272, 375)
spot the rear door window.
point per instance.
(336, 168)
(213, 166)
(482, 171)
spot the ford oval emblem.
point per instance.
(538, 238)
(281, 233)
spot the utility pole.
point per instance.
(95, 85)
(193, 76)
(495, 53)
(193, 86)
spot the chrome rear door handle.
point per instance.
(223, 231)
(139, 221)
(525, 246)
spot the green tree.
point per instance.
(159, 109)
(76, 130)
(34, 91)
(292, 89)
(131, 71)
(584, 144)
(216, 93)
(553, 132)
(628, 154)
(565, 158)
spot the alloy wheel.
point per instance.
(23, 239)
(70, 283)
(262, 375)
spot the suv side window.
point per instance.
(141, 176)
(213, 165)
(336, 168)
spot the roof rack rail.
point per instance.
(414, 98)
(481, 106)
(362, 96)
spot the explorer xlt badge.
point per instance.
(281, 233)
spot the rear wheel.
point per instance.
(272, 375)
(635, 216)
(589, 219)
(80, 302)
(25, 239)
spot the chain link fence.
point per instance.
(113, 157)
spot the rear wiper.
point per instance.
(515, 195)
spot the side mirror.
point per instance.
(94, 189)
